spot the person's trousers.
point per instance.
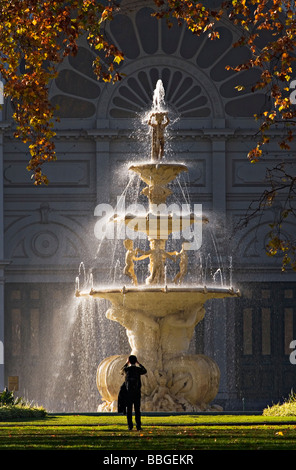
(133, 400)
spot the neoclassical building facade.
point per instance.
(46, 232)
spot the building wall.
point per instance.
(49, 231)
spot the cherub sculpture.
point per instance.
(183, 264)
(130, 257)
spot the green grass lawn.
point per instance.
(166, 433)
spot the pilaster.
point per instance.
(219, 343)
(2, 264)
(102, 136)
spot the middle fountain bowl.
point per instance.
(154, 224)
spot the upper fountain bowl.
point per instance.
(157, 176)
(160, 174)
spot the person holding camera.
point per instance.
(133, 371)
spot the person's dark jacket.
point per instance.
(131, 385)
(133, 377)
(122, 399)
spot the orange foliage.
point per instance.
(41, 33)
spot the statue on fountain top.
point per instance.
(158, 121)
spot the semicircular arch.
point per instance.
(193, 68)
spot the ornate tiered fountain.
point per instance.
(160, 317)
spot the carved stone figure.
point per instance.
(183, 265)
(157, 256)
(158, 122)
(130, 257)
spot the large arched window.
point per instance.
(192, 68)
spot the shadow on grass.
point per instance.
(157, 437)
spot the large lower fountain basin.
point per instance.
(160, 301)
(160, 323)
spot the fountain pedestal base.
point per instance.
(187, 383)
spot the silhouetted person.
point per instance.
(133, 371)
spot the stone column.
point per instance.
(102, 136)
(219, 179)
(2, 265)
(103, 170)
(218, 310)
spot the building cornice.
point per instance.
(108, 134)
